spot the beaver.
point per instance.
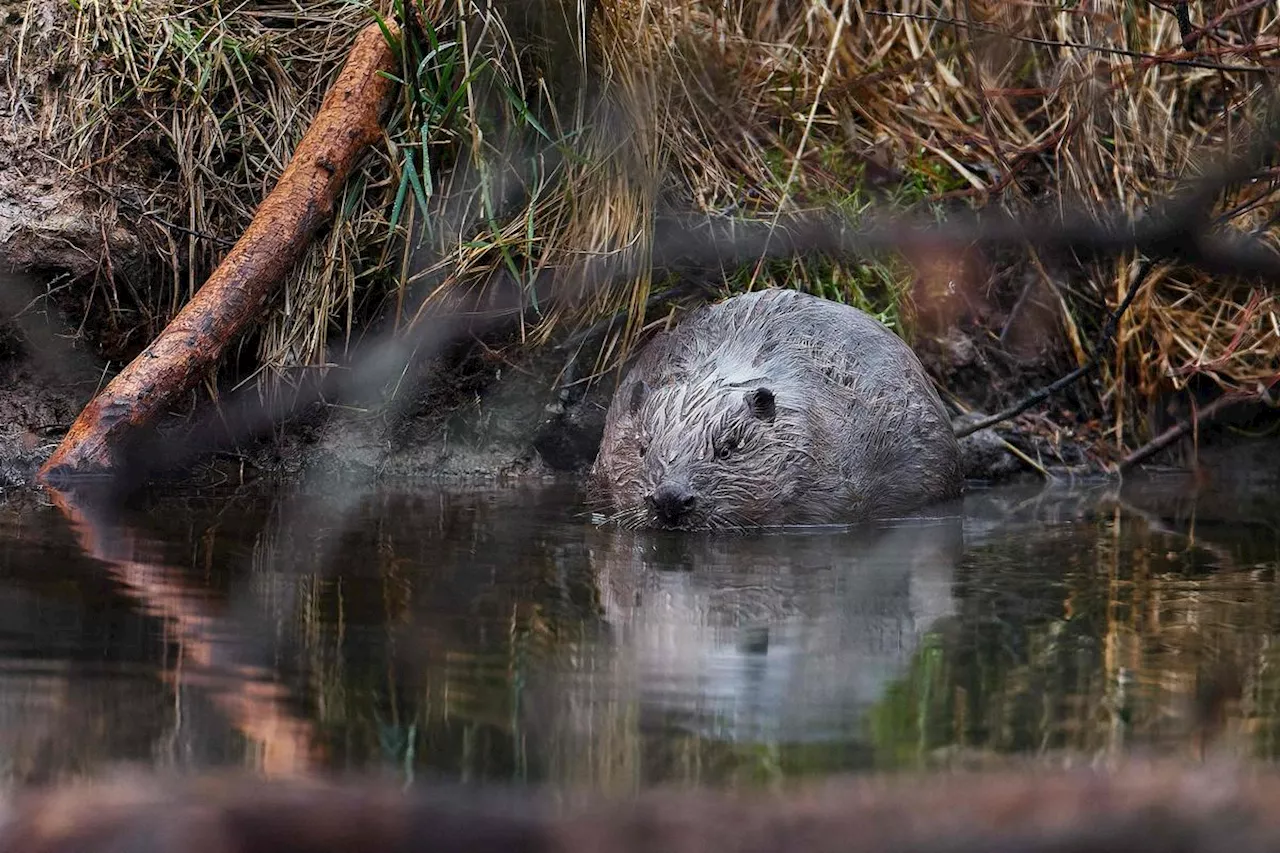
(773, 408)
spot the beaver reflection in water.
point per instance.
(774, 408)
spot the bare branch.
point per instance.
(1103, 348)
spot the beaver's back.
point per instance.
(782, 330)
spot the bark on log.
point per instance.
(230, 300)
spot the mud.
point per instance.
(471, 417)
(985, 455)
(477, 413)
(44, 379)
(50, 218)
(467, 416)
(33, 415)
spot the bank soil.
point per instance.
(97, 220)
(494, 409)
(480, 410)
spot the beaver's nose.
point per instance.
(671, 502)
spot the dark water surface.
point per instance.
(494, 634)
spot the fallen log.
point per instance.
(1159, 808)
(303, 199)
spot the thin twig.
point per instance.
(1178, 430)
(1103, 347)
(1095, 48)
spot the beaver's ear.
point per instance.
(638, 393)
(762, 404)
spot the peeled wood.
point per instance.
(232, 298)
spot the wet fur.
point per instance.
(857, 430)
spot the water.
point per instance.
(494, 634)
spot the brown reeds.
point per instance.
(496, 168)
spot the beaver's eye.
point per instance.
(727, 449)
(644, 448)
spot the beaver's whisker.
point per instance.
(628, 518)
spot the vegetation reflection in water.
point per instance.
(496, 635)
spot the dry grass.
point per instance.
(770, 106)
(179, 117)
(498, 167)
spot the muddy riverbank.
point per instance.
(470, 417)
(480, 411)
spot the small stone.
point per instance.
(983, 455)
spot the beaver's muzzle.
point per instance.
(671, 502)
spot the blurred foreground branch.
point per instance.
(1158, 808)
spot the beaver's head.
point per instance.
(699, 455)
